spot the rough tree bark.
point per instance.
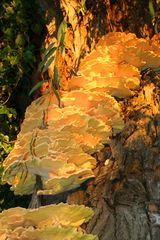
(125, 194)
(126, 191)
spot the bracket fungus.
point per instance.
(47, 222)
(114, 66)
(57, 143)
(57, 147)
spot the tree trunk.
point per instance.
(125, 194)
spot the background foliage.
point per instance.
(19, 49)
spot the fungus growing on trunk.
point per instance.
(114, 66)
(46, 222)
(57, 143)
(57, 148)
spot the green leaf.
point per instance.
(10, 112)
(3, 110)
(13, 111)
(9, 10)
(83, 2)
(57, 96)
(9, 33)
(48, 64)
(55, 78)
(46, 57)
(36, 87)
(41, 65)
(49, 48)
(82, 7)
(62, 39)
(28, 55)
(14, 60)
(151, 9)
(63, 51)
(50, 52)
(61, 32)
(20, 40)
(5, 144)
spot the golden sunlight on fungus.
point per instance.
(57, 143)
(47, 222)
(115, 64)
(96, 104)
(57, 148)
(56, 233)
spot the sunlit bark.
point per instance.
(125, 194)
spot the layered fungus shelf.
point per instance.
(58, 143)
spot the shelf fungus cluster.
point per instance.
(114, 66)
(58, 143)
(57, 222)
